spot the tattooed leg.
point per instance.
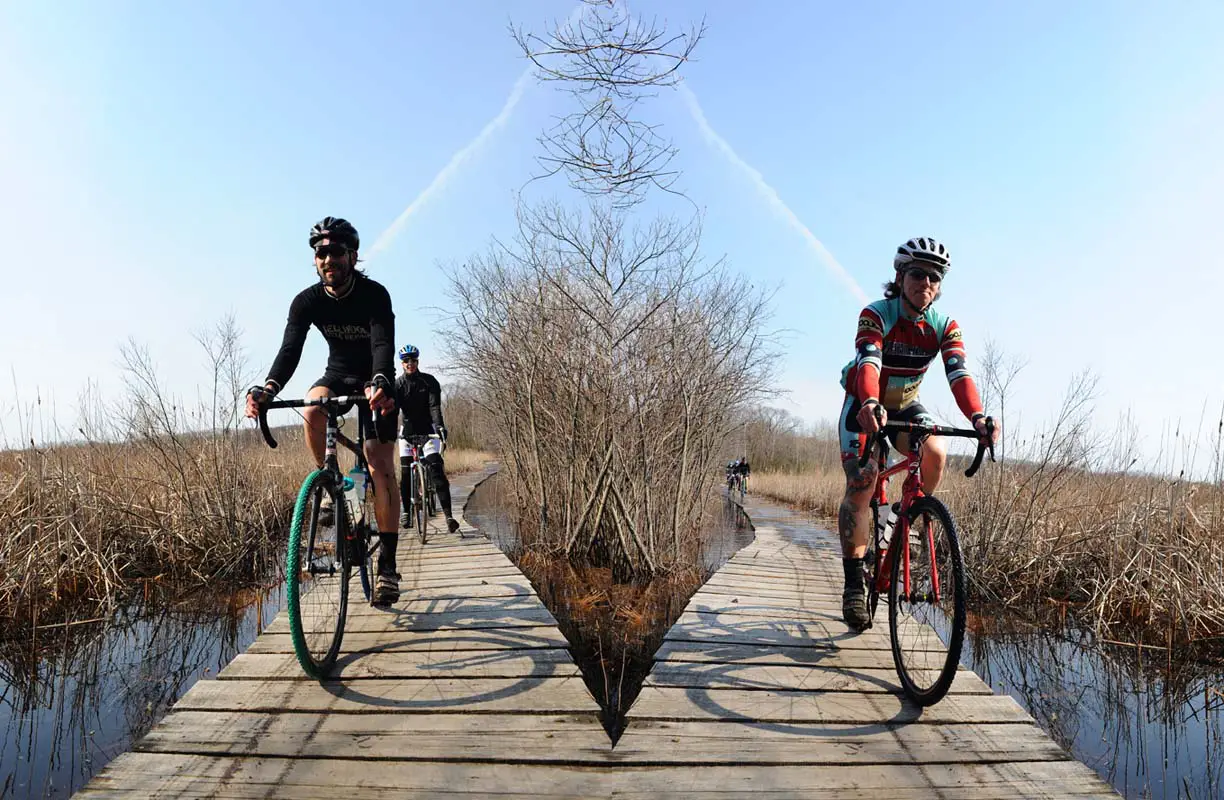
(854, 515)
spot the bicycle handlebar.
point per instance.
(332, 403)
(985, 443)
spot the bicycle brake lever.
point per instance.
(871, 440)
(263, 427)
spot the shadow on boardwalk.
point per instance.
(466, 688)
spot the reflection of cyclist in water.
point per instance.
(419, 397)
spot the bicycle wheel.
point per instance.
(431, 497)
(318, 576)
(364, 545)
(927, 634)
(418, 501)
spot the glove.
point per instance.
(441, 429)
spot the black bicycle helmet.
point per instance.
(337, 231)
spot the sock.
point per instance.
(387, 543)
(853, 568)
(444, 499)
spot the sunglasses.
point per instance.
(333, 250)
(918, 273)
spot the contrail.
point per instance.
(771, 195)
(442, 178)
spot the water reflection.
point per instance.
(1150, 726)
(613, 628)
(74, 696)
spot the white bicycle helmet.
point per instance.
(926, 250)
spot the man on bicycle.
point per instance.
(354, 315)
(419, 398)
(898, 338)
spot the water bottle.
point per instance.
(884, 527)
(355, 491)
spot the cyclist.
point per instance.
(353, 312)
(744, 469)
(419, 398)
(898, 338)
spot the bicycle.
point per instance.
(319, 567)
(735, 483)
(421, 495)
(927, 672)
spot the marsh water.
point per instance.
(72, 697)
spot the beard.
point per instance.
(336, 276)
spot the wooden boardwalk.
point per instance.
(466, 688)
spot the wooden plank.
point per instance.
(673, 703)
(174, 775)
(815, 592)
(453, 605)
(410, 583)
(762, 655)
(443, 566)
(525, 738)
(412, 664)
(712, 605)
(725, 604)
(794, 571)
(779, 633)
(406, 623)
(525, 695)
(824, 679)
(775, 743)
(390, 641)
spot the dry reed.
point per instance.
(155, 493)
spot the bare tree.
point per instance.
(608, 60)
(612, 357)
(999, 371)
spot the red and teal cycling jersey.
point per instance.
(894, 351)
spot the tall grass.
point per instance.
(153, 492)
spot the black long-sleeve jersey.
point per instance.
(419, 399)
(359, 327)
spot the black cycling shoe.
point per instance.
(386, 589)
(405, 520)
(452, 524)
(855, 611)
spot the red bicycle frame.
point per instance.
(911, 490)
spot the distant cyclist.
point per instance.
(743, 469)
(898, 338)
(419, 398)
(354, 315)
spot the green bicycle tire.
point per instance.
(315, 668)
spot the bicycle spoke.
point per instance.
(927, 603)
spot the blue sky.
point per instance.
(161, 164)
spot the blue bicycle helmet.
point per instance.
(408, 351)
